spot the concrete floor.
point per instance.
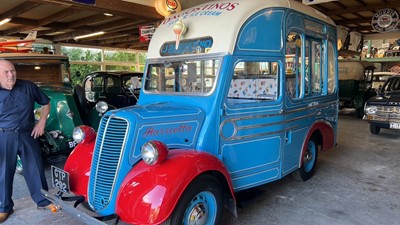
(356, 183)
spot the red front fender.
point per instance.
(78, 167)
(149, 193)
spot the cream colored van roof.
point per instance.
(220, 20)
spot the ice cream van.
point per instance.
(235, 94)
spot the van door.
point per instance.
(251, 124)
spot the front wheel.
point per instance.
(309, 161)
(200, 204)
(360, 112)
(374, 129)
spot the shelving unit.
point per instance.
(383, 59)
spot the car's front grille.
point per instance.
(105, 163)
(387, 113)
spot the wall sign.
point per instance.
(385, 20)
(146, 32)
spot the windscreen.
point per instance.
(193, 77)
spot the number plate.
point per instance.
(60, 179)
(71, 144)
(394, 125)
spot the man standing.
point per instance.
(18, 135)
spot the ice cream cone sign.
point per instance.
(179, 29)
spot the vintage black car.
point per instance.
(355, 85)
(116, 88)
(383, 110)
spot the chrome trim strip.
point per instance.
(282, 122)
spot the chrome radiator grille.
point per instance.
(386, 113)
(105, 163)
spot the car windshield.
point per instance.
(186, 77)
(392, 85)
(379, 79)
(132, 81)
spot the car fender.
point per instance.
(149, 194)
(326, 132)
(78, 167)
(325, 136)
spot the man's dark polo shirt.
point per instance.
(17, 105)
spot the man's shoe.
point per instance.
(4, 216)
(53, 208)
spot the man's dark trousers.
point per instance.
(13, 142)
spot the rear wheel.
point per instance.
(374, 129)
(200, 204)
(309, 161)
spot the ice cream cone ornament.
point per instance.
(179, 29)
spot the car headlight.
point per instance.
(154, 152)
(82, 134)
(37, 112)
(371, 110)
(101, 106)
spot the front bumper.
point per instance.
(71, 210)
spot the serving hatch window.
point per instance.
(187, 76)
(254, 81)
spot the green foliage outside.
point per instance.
(78, 72)
(128, 68)
(113, 60)
(117, 56)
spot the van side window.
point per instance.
(315, 75)
(294, 87)
(254, 81)
(315, 67)
(331, 68)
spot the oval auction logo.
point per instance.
(385, 20)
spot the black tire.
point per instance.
(203, 193)
(308, 161)
(374, 129)
(360, 113)
(87, 206)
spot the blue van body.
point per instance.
(241, 102)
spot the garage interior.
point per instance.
(63, 20)
(358, 182)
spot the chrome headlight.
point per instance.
(78, 135)
(371, 110)
(154, 152)
(37, 112)
(83, 134)
(101, 107)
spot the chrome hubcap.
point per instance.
(198, 215)
(307, 157)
